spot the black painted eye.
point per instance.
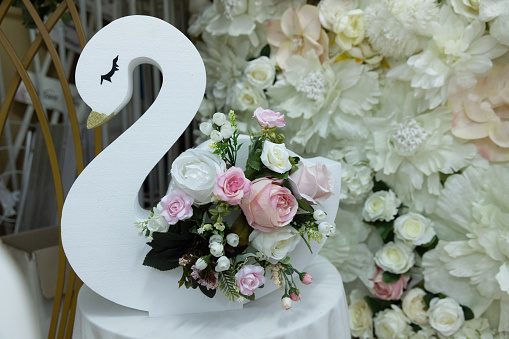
(108, 75)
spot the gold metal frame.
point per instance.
(62, 320)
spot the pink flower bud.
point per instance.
(295, 297)
(286, 303)
(306, 279)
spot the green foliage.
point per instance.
(43, 8)
(427, 247)
(265, 51)
(377, 305)
(385, 229)
(227, 285)
(305, 206)
(380, 186)
(467, 312)
(390, 278)
(209, 293)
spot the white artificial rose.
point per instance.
(157, 223)
(277, 244)
(216, 136)
(414, 228)
(392, 323)
(260, 72)
(381, 205)
(319, 215)
(276, 157)
(361, 317)
(219, 118)
(326, 228)
(216, 249)
(414, 306)
(201, 264)
(195, 172)
(206, 128)
(395, 257)
(227, 130)
(215, 238)
(247, 97)
(223, 263)
(445, 315)
(350, 29)
(232, 239)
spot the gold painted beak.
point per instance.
(96, 119)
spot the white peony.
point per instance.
(415, 307)
(349, 29)
(395, 257)
(361, 316)
(222, 264)
(445, 315)
(414, 228)
(392, 323)
(331, 11)
(275, 245)
(260, 72)
(276, 157)
(381, 205)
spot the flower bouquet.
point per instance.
(231, 228)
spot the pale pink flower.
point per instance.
(295, 297)
(482, 114)
(297, 32)
(268, 205)
(312, 183)
(249, 278)
(387, 291)
(232, 186)
(177, 205)
(268, 118)
(306, 278)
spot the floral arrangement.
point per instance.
(227, 227)
(411, 96)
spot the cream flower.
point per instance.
(482, 114)
(414, 228)
(260, 72)
(414, 306)
(381, 205)
(445, 315)
(297, 32)
(350, 29)
(392, 323)
(458, 51)
(361, 316)
(330, 11)
(468, 8)
(395, 257)
(475, 328)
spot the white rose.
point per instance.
(326, 228)
(195, 172)
(361, 317)
(414, 306)
(219, 118)
(247, 97)
(277, 244)
(206, 128)
(216, 136)
(445, 315)
(215, 238)
(276, 157)
(232, 239)
(356, 183)
(395, 257)
(414, 228)
(157, 223)
(476, 328)
(260, 72)
(216, 249)
(201, 264)
(227, 130)
(350, 29)
(381, 205)
(319, 215)
(223, 263)
(392, 323)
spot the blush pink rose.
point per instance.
(249, 278)
(387, 291)
(268, 205)
(177, 205)
(232, 186)
(312, 183)
(268, 118)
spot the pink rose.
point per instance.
(387, 291)
(249, 278)
(268, 206)
(268, 118)
(312, 183)
(232, 185)
(306, 278)
(295, 297)
(177, 205)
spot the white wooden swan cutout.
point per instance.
(98, 234)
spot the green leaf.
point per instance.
(254, 161)
(152, 259)
(285, 261)
(385, 229)
(380, 186)
(390, 278)
(377, 305)
(209, 293)
(305, 206)
(249, 297)
(242, 257)
(467, 312)
(227, 285)
(265, 51)
(427, 298)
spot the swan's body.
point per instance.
(98, 232)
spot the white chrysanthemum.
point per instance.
(326, 100)
(397, 28)
(458, 51)
(409, 151)
(472, 263)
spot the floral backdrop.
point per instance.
(412, 97)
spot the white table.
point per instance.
(322, 314)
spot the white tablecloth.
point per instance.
(321, 314)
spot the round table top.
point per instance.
(322, 313)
